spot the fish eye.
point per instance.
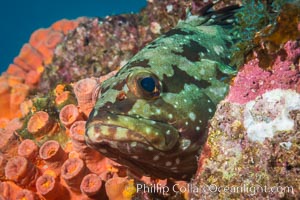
(148, 84)
(144, 84)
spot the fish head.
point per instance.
(151, 123)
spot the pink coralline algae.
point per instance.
(253, 81)
(252, 147)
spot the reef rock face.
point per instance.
(253, 144)
(253, 149)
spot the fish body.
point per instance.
(152, 116)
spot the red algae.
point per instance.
(253, 81)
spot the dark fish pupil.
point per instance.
(148, 84)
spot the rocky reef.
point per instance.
(253, 144)
(47, 93)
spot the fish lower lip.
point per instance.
(121, 128)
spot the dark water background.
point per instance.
(19, 18)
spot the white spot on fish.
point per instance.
(185, 143)
(150, 148)
(121, 133)
(192, 116)
(158, 111)
(170, 116)
(133, 144)
(168, 132)
(210, 110)
(104, 130)
(169, 8)
(148, 130)
(155, 158)
(168, 163)
(186, 123)
(197, 128)
(218, 49)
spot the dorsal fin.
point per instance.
(208, 16)
(224, 16)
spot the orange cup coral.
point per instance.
(94, 160)
(21, 171)
(28, 149)
(84, 90)
(26, 195)
(73, 171)
(54, 156)
(50, 188)
(119, 188)
(69, 114)
(91, 185)
(40, 124)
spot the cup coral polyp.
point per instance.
(21, 171)
(84, 90)
(69, 114)
(50, 188)
(40, 124)
(26, 195)
(54, 156)
(91, 185)
(73, 171)
(28, 149)
(93, 159)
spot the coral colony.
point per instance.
(184, 100)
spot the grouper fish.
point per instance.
(153, 115)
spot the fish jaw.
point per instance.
(161, 156)
(122, 128)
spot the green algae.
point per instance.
(263, 28)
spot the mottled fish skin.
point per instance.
(160, 131)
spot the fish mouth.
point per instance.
(108, 128)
